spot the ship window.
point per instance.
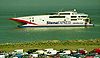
(64, 19)
(86, 20)
(32, 17)
(79, 16)
(83, 19)
(83, 16)
(72, 13)
(29, 18)
(79, 19)
(73, 16)
(64, 13)
(32, 20)
(56, 16)
(73, 19)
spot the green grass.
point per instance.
(56, 44)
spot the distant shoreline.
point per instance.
(56, 44)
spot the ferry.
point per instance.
(55, 19)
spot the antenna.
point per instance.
(74, 10)
(59, 11)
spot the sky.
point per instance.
(33, 5)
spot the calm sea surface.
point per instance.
(10, 33)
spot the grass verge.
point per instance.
(56, 44)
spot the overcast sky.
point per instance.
(47, 4)
(41, 3)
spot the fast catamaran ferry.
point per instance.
(56, 19)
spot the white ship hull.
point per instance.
(59, 19)
(69, 25)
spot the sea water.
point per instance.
(9, 32)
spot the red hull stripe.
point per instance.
(22, 21)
